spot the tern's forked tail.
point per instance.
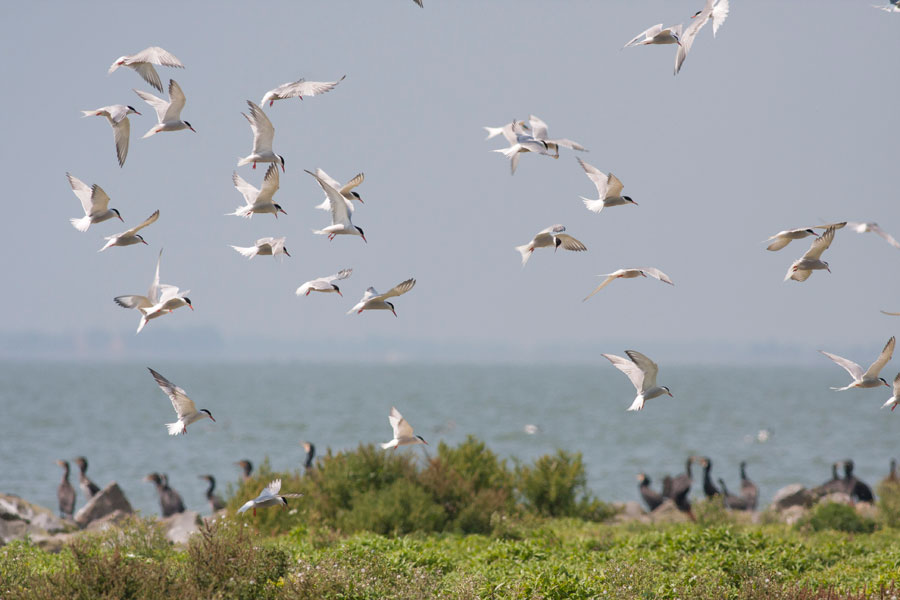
(81, 224)
(592, 205)
(174, 428)
(526, 251)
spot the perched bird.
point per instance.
(310, 450)
(641, 371)
(892, 476)
(651, 497)
(160, 299)
(677, 488)
(835, 484)
(873, 228)
(717, 15)
(783, 238)
(802, 268)
(855, 487)
(733, 502)
(167, 113)
(184, 407)
(88, 487)
(345, 190)
(143, 62)
(246, 469)
(267, 246)
(629, 274)
(258, 201)
(170, 501)
(95, 203)
(65, 493)
(324, 284)
(657, 35)
(340, 214)
(608, 187)
(403, 432)
(117, 115)
(127, 238)
(552, 236)
(709, 487)
(298, 89)
(894, 400)
(263, 134)
(869, 378)
(749, 490)
(215, 501)
(268, 497)
(372, 300)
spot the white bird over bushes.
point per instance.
(642, 373)
(403, 432)
(268, 497)
(868, 378)
(184, 407)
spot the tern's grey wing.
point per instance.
(249, 192)
(719, 14)
(394, 418)
(271, 182)
(352, 183)
(342, 274)
(153, 292)
(155, 55)
(882, 359)
(339, 212)
(820, 244)
(176, 102)
(311, 88)
(654, 272)
(567, 143)
(597, 176)
(874, 228)
(648, 367)
(82, 192)
(851, 367)
(399, 289)
(180, 402)
(148, 221)
(897, 385)
(602, 285)
(158, 104)
(615, 186)
(121, 132)
(148, 74)
(570, 243)
(634, 373)
(263, 132)
(133, 301)
(647, 34)
(538, 127)
(99, 200)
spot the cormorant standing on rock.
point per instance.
(853, 486)
(215, 501)
(651, 497)
(709, 487)
(170, 501)
(310, 449)
(733, 502)
(65, 493)
(87, 486)
(247, 466)
(748, 488)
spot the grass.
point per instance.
(550, 558)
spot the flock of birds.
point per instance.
(340, 200)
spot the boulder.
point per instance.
(792, 514)
(108, 500)
(792, 495)
(13, 508)
(629, 511)
(112, 519)
(867, 509)
(180, 526)
(836, 497)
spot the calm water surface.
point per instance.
(114, 415)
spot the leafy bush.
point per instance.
(889, 503)
(556, 486)
(840, 517)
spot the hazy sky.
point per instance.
(787, 119)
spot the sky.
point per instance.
(786, 119)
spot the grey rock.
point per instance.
(113, 519)
(108, 500)
(13, 508)
(180, 526)
(792, 495)
(836, 497)
(792, 514)
(667, 512)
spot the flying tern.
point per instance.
(95, 203)
(508, 131)
(372, 300)
(522, 142)
(802, 268)
(270, 496)
(868, 378)
(267, 246)
(263, 134)
(717, 15)
(552, 236)
(403, 432)
(184, 407)
(345, 190)
(127, 238)
(167, 113)
(628, 274)
(608, 187)
(783, 238)
(143, 62)
(539, 132)
(161, 299)
(298, 89)
(657, 35)
(892, 6)
(642, 373)
(258, 201)
(873, 228)
(324, 284)
(117, 115)
(340, 215)
(701, 18)
(894, 400)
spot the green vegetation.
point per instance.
(375, 524)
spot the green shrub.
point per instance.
(839, 517)
(401, 507)
(556, 486)
(889, 503)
